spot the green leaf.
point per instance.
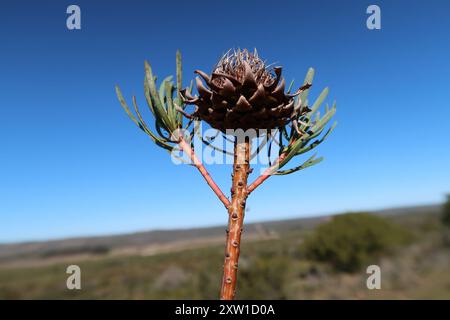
(319, 100)
(179, 75)
(301, 142)
(160, 128)
(162, 89)
(191, 86)
(317, 142)
(290, 86)
(160, 142)
(158, 107)
(292, 150)
(308, 163)
(308, 79)
(179, 86)
(126, 108)
(147, 97)
(319, 125)
(171, 112)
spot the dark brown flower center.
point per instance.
(232, 64)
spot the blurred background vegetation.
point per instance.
(325, 259)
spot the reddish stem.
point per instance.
(209, 180)
(266, 174)
(241, 170)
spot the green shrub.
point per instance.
(350, 240)
(263, 277)
(446, 212)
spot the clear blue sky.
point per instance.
(73, 164)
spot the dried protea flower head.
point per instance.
(243, 92)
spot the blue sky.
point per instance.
(73, 164)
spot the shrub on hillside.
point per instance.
(264, 277)
(445, 218)
(351, 240)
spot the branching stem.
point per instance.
(266, 174)
(199, 165)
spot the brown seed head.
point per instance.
(243, 92)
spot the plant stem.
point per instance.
(209, 180)
(266, 174)
(241, 170)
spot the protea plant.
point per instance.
(241, 94)
(244, 94)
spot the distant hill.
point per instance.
(151, 242)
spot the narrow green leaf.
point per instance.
(162, 89)
(160, 113)
(126, 108)
(319, 125)
(308, 79)
(147, 97)
(179, 75)
(319, 100)
(318, 141)
(159, 128)
(171, 112)
(290, 86)
(308, 163)
(158, 141)
(191, 86)
(292, 150)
